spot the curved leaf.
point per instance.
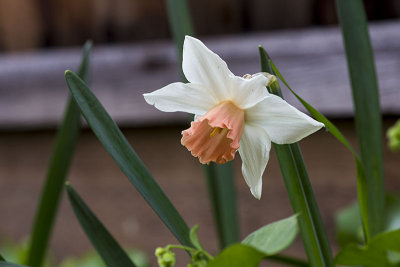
(105, 244)
(274, 237)
(119, 148)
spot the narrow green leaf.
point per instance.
(119, 148)
(237, 255)
(368, 119)
(300, 192)
(361, 178)
(220, 179)
(274, 237)
(63, 151)
(1, 258)
(8, 264)
(221, 188)
(194, 238)
(105, 244)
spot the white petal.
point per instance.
(283, 123)
(191, 98)
(254, 151)
(246, 93)
(202, 66)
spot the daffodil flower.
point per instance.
(231, 113)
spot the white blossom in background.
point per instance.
(232, 113)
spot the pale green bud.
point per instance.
(393, 134)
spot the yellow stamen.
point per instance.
(216, 130)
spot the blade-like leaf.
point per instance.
(64, 148)
(180, 22)
(368, 119)
(274, 237)
(119, 148)
(237, 255)
(361, 178)
(1, 258)
(220, 179)
(108, 248)
(300, 192)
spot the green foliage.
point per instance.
(237, 255)
(375, 253)
(393, 134)
(64, 148)
(108, 248)
(194, 237)
(119, 148)
(274, 237)
(300, 191)
(368, 119)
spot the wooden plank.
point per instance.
(33, 91)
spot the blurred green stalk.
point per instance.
(300, 191)
(63, 151)
(220, 178)
(368, 119)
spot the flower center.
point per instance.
(216, 135)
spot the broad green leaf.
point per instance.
(8, 264)
(300, 192)
(375, 253)
(220, 179)
(368, 118)
(119, 148)
(355, 255)
(237, 255)
(108, 248)
(386, 241)
(63, 151)
(194, 238)
(274, 237)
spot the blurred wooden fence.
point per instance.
(33, 91)
(27, 24)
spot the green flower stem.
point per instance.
(368, 118)
(300, 192)
(220, 179)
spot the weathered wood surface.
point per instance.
(33, 91)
